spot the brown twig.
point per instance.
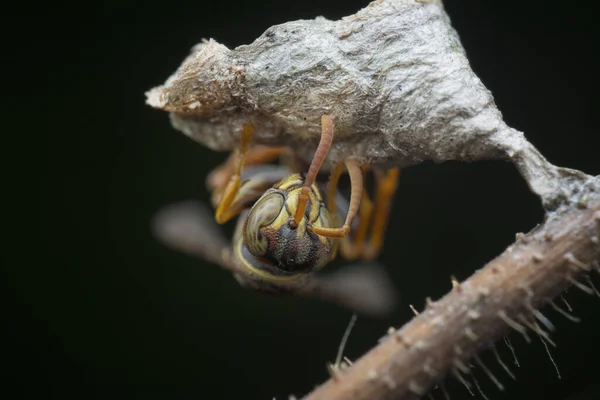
(504, 295)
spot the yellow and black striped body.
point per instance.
(268, 246)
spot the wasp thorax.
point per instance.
(269, 233)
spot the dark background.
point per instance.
(99, 309)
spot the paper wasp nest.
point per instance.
(394, 77)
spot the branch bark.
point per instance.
(504, 295)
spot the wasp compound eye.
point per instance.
(263, 214)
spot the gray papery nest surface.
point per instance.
(394, 77)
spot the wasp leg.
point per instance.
(356, 182)
(255, 180)
(219, 177)
(224, 211)
(386, 184)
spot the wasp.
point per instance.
(289, 224)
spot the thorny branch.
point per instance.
(506, 294)
(396, 80)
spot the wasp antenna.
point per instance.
(356, 182)
(315, 165)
